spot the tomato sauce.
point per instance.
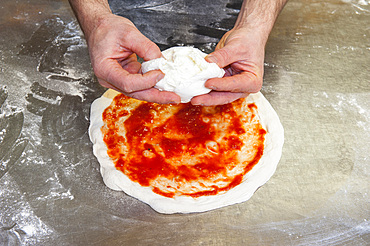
(161, 150)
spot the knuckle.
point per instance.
(101, 69)
(130, 32)
(256, 85)
(98, 73)
(102, 82)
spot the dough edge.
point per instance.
(259, 175)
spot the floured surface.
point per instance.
(51, 192)
(207, 157)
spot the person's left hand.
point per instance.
(241, 53)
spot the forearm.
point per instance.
(259, 15)
(90, 13)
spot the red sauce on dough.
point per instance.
(152, 145)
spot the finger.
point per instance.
(225, 56)
(130, 64)
(144, 48)
(110, 86)
(217, 98)
(156, 96)
(149, 95)
(132, 67)
(245, 82)
(113, 72)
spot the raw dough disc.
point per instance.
(259, 175)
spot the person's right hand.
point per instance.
(113, 46)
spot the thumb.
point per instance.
(222, 57)
(145, 48)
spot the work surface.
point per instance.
(316, 78)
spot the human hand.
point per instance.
(113, 46)
(241, 53)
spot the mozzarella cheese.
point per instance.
(186, 71)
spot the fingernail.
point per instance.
(198, 104)
(211, 58)
(159, 77)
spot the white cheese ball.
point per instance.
(186, 71)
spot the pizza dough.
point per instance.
(260, 173)
(186, 71)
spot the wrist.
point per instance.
(90, 13)
(255, 35)
(259, 16)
